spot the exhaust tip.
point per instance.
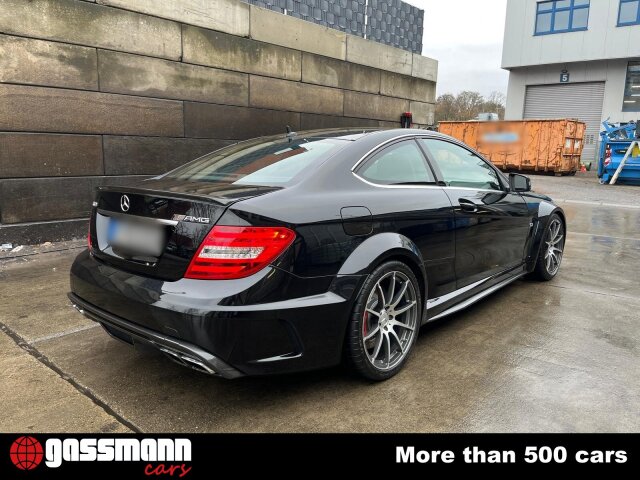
(78, 308)
(187, 361)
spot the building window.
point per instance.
(632, 88)
(559, 16)
(629, 13)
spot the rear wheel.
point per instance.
(551, 250)
(385, 321)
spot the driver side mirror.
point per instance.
(519, 183)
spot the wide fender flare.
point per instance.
(375, 250)
(545, 210)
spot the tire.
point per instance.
(379, 340)
(547, 268)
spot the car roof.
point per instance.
(353, 133)
(384, 134)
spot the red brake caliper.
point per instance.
(365, 322)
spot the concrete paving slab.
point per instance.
(585, 187)
(33, 300)
(35, 398)
(604, 249)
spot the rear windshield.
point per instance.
(273, 163)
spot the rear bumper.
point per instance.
(272, 322)
(179, 351)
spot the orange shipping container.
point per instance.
(528, 145)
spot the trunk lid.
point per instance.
(154, 228)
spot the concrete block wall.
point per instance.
(111, 91)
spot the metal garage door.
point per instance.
(572, 100)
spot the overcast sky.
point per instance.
(465, 36)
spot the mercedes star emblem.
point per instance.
(124, 203)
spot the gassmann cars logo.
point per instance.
(164, 456)
(26, 453)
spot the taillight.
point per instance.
(89, 244)
(607, 156)
(237, 252)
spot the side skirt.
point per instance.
(475, 298)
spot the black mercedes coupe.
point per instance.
(298, 251)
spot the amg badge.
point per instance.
(189, 218)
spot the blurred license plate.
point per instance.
(134, 237)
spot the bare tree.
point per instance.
(498, 98)
(467, 105)
(495, 104)
(446, 107)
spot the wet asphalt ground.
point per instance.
(562, 356)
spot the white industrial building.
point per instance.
(573, 58)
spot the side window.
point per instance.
(460, 167)
(402, 163)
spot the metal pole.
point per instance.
(622, 163)
(364, 33)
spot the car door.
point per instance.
(492, 223)
(410, 202)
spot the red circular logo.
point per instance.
(26, 453)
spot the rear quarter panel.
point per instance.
(423, 216)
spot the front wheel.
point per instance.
(385, 321)
(551, 250)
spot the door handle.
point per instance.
(467, 205)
